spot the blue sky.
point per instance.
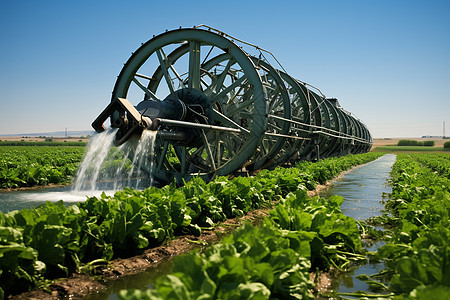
(388, 62)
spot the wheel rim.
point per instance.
(218, 153)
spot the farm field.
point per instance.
(390, 145)
(439, 142)
(220, 158)
(39, 245)
(79, 238)
(398, 149)
(28, 166)
(415, 253)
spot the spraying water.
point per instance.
(97, 151)
(141, 162)
(106, 166)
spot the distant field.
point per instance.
(390, 145)
(43, 143)
(390, 148)
(42, 139)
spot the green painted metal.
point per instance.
(232, 111)
(218, 153)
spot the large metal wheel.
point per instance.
(300, 141)
(217, 110)
(271, 149)
(228, 94)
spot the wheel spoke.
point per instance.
(208, 150)
(218, 150)
(274, 99)
(207, 55)
(146, 90)
(194, 65)
(217, 84)
(217, 116)
(232, 142)
(165, 71)
(240, 106)
(162, 156)
(167, 60)
(181, 153)
(231, 87)
(234, 95)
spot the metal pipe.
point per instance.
(343, 137)
(287, 136)
(195, 125)
(171, 136)
(340, 134)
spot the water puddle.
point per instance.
(17, 200)
(362, 189)
(140, 281)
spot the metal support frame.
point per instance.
(243, 113)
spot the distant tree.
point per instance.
(409, 143)
(447, 145)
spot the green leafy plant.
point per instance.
(417, 249)
(58, 240)
(34, 166)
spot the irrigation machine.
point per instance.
(219, 110)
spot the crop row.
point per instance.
(32, 166)
(53, 241)
(417, 249)
(48, 142)
(438, 162)
(270, 261)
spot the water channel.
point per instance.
(362, 189)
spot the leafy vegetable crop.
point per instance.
(417, 249)
(53, 240)
(30, 166)
(271, 261)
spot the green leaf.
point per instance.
(171, 287)
(191, 270)
(263, 273)
(252, 290)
